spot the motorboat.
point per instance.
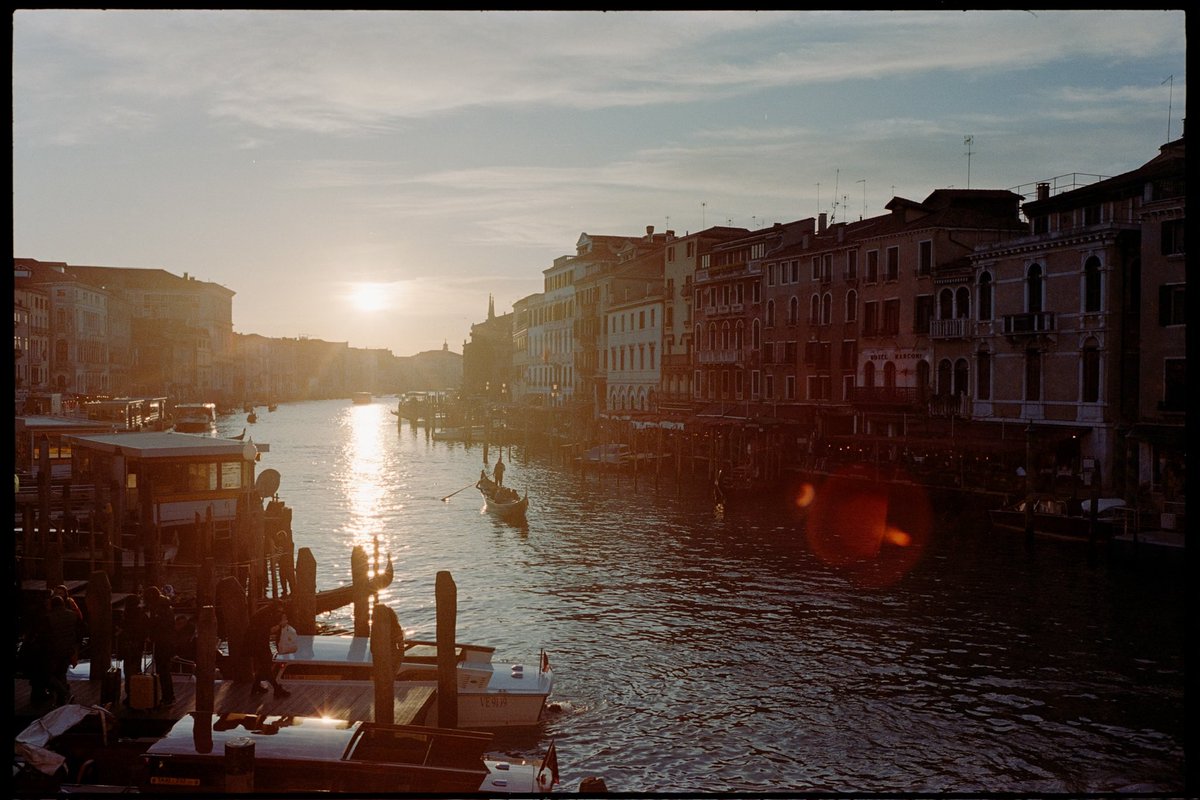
(196, 417)
(489, 695)
(294, 755)
(609, 455)
(1059, 518)
(463, 434)
(361, 398)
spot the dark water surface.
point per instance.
(697, 651)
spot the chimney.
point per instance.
(185, 276)
(649, 231)
(670, 235)
(821, 221)
(1043, 191)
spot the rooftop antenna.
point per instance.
(1170, 96)
(836, 175)
(702, 207)
(864, 211)
(818, 197)
(968, 141)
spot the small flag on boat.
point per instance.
(545, 662)
(548, 774)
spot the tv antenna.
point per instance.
(1170, 96)
(702, 207)
(836, 175)
(864, 211)
(968, 141)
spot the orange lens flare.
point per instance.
(805, 496)
(873, 531)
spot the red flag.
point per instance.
(548, 774)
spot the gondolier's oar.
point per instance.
(468, 486)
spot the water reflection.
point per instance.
(365, 480)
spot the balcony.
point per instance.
(948, 328)
(676, 360)
(1030, 323)
(719, 357)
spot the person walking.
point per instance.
(162, 636)
(131, 640)
(265, 623)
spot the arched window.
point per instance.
(961, 375)
(869, 375)
(945, 371)
(851, 306)
(962, 303)
(985, 296)
(889, 376)
(1090, 368)
(725, 335)
(922, 380)
(738, 336)
(712, 336)
(756, 335)
(1034, 289)
(770, 314)
(945, 304)
(983, 375)
(827, 309)
(1091, 285)
(793, 311)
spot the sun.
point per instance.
(369, 297)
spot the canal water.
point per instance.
(699, 650)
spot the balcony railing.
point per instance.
(719, 356)
(1032, 322)
(948, 328)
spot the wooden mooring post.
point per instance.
(446, 595)
(383, 659)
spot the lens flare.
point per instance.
(873, 532)
(805, 496)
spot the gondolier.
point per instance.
(498, 472)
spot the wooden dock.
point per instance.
(347, 700)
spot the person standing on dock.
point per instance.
(264, 623)
(62, 649)
(162, 636)
(131, 639)
(498, 472)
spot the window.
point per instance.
(849, 357)
(755, 335)
(869, 375)
(945, 304)
(641, 319)
(1033, 289)
(891, 316)
(769, 387)
(755, 383)
(789, 353)
(816, 268)
(1173, 238)
(962, 303)
(961, 376)
(1091, 286)
(827, 309)
(793, 311)
(851, 265)
(851, 306)
(755, 292)
(983, 375)
(985, 296)
(872, 266)
(944, 376)
(770, 323)
(771, 274)
(1033, 375)
(1090, 369)
(893, 264)
(922, 313)
(1171, 304)
(870, 318)
(925, 257)
(1175, 384)
(790, 388)
(889, 376)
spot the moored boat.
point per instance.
(1055, 517)
(489, 695)
(295, 754)
(361, 398)
(330, 599)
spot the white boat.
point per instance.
(610, 455)
(294, 755)
(465, 434)
(489, 695)
(196, 417)
(361, 398)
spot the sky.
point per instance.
(372, 177)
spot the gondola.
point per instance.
(330, 599)
(501, 500)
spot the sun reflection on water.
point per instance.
(366, 475)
